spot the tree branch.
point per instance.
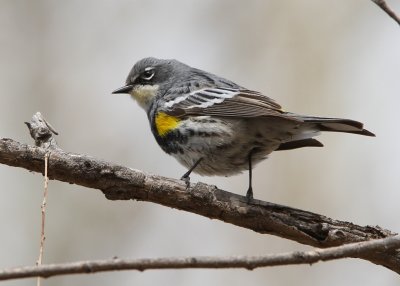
(247, 262)
(384, 6)
(122, 183)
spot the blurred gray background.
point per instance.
(63, 58)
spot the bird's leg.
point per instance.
(186, 177)
(249, 194)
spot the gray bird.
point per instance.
(215, 127)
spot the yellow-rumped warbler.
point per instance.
(215, 127)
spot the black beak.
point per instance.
(124, 89)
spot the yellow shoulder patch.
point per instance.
(165, 123)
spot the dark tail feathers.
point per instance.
(323, 124)
(335, 124)
(310, 142)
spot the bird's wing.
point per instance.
(224, 102)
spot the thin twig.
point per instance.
(385, 7)
(43, 134)
(43, 211)
(246, 262)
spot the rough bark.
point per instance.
(122, 183)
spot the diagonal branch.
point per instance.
(122, 183)
(385, 7)
(247, 262)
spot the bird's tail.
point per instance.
(336, 125)
(312, 125)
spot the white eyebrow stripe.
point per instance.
(149, 68)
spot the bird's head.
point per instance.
(149, 78)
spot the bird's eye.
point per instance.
(147, 74)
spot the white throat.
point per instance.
(144, 95)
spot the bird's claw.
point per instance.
(249, 195)
(186, 179)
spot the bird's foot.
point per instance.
(186, 179)
(249, 195)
